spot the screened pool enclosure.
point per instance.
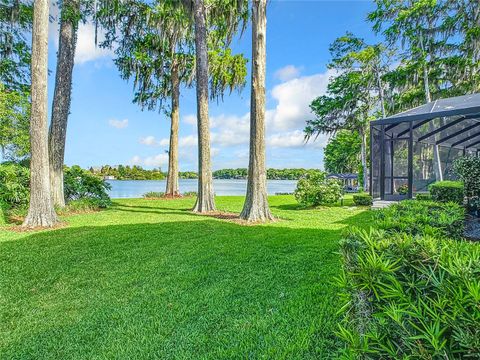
(415, 148)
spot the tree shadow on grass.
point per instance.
(198, 288)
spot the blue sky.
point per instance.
(106, 128)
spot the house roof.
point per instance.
(460, 105)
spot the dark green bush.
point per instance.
(423, 197)
(362, 199)
(413, 217)
(314, 189)
(81, 184)
(448, 191)
(468, 170)
(407, 297)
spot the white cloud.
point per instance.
(150, 161)
(294, 139)
(149, 141)
(293, 99)
(287, 73)
(184, 141)
(190, 119)
(86, 49)
(119, 124)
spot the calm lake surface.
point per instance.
(136, 188)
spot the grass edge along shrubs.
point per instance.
(404, 296)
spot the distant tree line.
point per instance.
(136, 172)
(272, 174)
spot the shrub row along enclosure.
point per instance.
(409, 292)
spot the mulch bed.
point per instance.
(472, 228)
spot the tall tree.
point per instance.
(223, 18)
(256, 203)
(69, 20)
(205, 197)
(354, 96)
(41, 212)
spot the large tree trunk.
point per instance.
(172, 189)
(41, 212)
(62, 98)
(256, 203)
(363, 158)
(205, 198)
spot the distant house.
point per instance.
(109, 177)
(350, 181)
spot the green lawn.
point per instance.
(149, 279)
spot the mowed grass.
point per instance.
(149, 279)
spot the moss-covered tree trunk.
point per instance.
(205, 198)
(62, 97)
(172, 189)
(41, 212)
(256, 203)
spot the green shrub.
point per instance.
(190, 194)
(407, 297)
(423, 197)
(413, 217)
(403, 189)
(468, 170)
(446, 191)
(362, 199)
(154, 195)
(14, 185)
(81, 184)
(81, 205)
(314, 189)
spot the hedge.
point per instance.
(362, 199)
(448, 191)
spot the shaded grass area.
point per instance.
(149, 279)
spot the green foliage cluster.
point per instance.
(188, 175)
(14, 186)
(190, 194)
(153, 195)
(403, 189)
(135, 172)
(443, 220)
(342, 153)
(468, 170)
(14, 123)
(409, 297)
(423, 197)
(81, 184)
(315, 189)
(448, 191)
(363, 199)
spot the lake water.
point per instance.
(136, 188)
